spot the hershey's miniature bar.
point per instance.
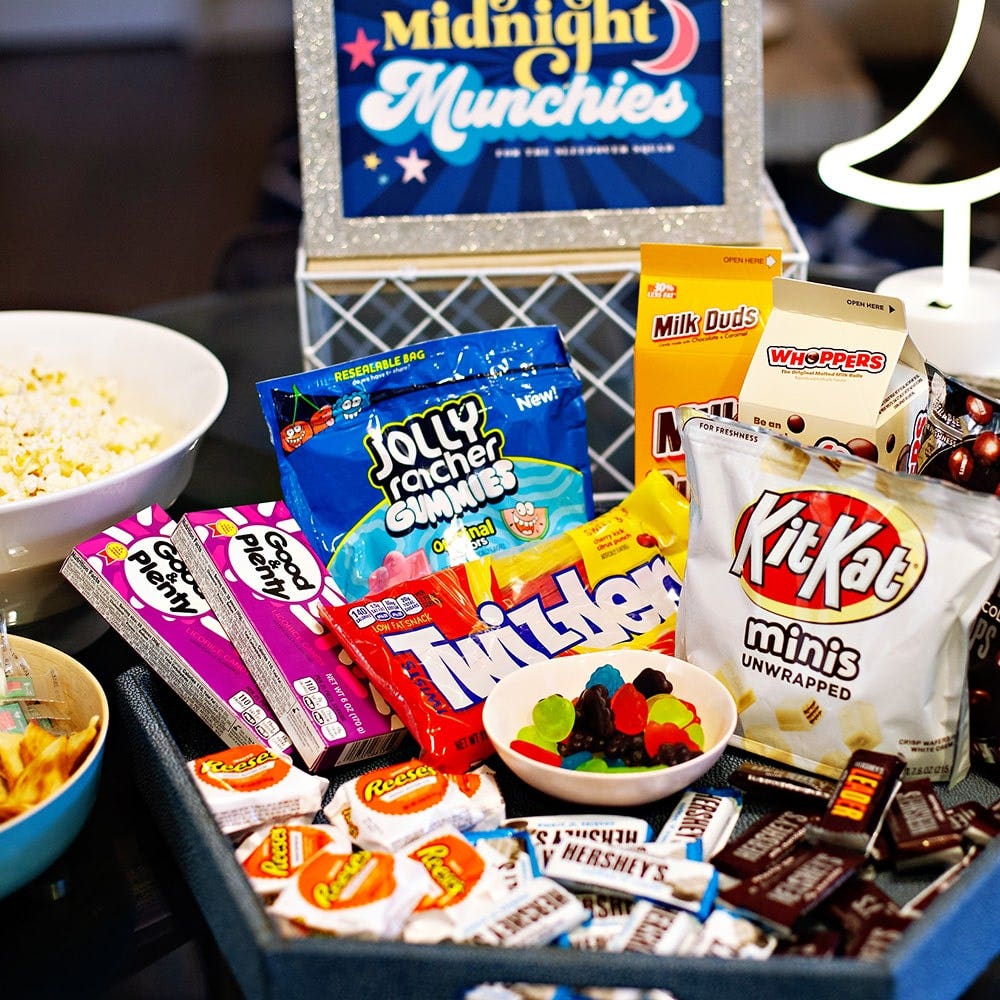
(921, 831)
(787, 892)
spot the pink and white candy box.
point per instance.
(266, 584)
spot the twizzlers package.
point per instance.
(406, 462)
(833, 598)
(436, 647)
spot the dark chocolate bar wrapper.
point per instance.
(794, 788)
(974, 822)
(856, 904)
(919, 828)
(821, 942)
(878, 937)
(762, 844)
(923, 899)
(785, 894)
(860, 802)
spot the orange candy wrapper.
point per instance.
(436, 647)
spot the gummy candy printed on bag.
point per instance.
(406, 462)
(436, 647)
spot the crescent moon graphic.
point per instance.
(683, 44)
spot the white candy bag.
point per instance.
(833, 598)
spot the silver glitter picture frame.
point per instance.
(328, 232)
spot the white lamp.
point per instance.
(953, 311)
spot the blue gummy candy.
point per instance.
(572, 761)
(609, 677)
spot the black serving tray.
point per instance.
(940, 956)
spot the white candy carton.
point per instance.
(836, 369)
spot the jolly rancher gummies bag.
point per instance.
(833, 598)
(407, 462)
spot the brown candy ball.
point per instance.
(796, 424)
(979, 410)
(986, 449)
(960, 465)
(863, 448)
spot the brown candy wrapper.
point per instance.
(860, 803)
(960, 443)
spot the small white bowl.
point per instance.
(509, 706)
(158, 374)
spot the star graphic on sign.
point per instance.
(361, 49)
(371, 161)
(413, 167)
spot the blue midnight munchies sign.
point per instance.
(454, 107)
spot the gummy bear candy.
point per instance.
(531, 734)
(651, 681)
(629, 709)
(666, 708)
(608, 677)
(594, 714)
(554, 717)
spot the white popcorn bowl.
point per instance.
(508, 708)
(158, 374)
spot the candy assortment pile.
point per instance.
(799, 573)
(614, 725)
(407, 852)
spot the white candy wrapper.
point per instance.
(467, 882)
(364, 894)
(536, 915)
(272, 855)
(635, 871)
(833, 598)
(653, 930)
(389, 807)
(700, 824)
(247, 786)
(547, 832)
(726, 935)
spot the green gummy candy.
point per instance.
(697, 735)
(594, 764)
(665, 708)
(530, 734)
(554, 717)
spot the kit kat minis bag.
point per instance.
(406, 462)
(834, 599)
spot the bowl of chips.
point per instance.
(49, 772)
(615, 728)
(100, 416)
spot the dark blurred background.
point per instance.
(148, 150)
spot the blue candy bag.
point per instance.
(403, 463)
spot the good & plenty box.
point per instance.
(132, 574)
(266, 584)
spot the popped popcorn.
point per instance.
(58, 431)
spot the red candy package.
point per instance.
(435, 647)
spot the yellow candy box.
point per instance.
(701, 311)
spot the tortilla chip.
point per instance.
(43, 775)
(34, 741)
(78, 744)
(11, 764)
(41, 763)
